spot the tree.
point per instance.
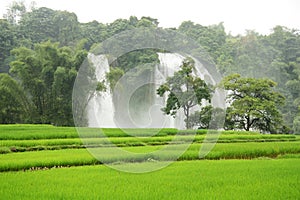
(118, 26)
(207, 117)
(7, 43)
(48, 73)
(184, 90)
(211, 38)
(94, 32)
(14, 105)
(253, 103)
(45, 24)
(38, 25)
(113, 76)
(147, 22)
(66, 27)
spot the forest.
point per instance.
(41, 51)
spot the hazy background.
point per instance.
(237, 15)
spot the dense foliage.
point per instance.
(47, 73)
(49, 45)
(253, 104)
(184, 90)
(14, 106)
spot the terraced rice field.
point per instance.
(46, 162)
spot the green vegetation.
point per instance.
(41, 51)
(141, 141)
(184, 91)
(51, 45)
(29, 132)
(47, 162)
(14, 106)
(207, 118)
(9, 146)
(78, 157)
(32, 132)
(48, 73)
(253, 104)
(224, 179)
(43, 146)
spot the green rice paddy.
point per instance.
(47, 162)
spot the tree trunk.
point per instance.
(247, 128)
(187, 124)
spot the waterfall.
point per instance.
(100, 107)
(169, 64)
(101, 112)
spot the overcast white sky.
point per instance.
(237, 15)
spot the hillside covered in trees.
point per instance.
(42, 50)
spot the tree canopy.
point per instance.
(48, 73)
(184, 90)
(14, 105)
(275, 56)
(253, 104)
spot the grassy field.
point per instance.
(46, 162)
(77, 157)
(223, 179)
(33, 132)
(8, 146)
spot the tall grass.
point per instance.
(44, 144)
(75, 157)
(224, 179)
(32, 132)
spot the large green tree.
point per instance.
(14, 105)
(48, 73)
(184, 90)
(44, 24)
(253, 104)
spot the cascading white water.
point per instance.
(100, 107)
(169, 64)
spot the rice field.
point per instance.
(47, 162)
(33, 132)
(225, 179)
